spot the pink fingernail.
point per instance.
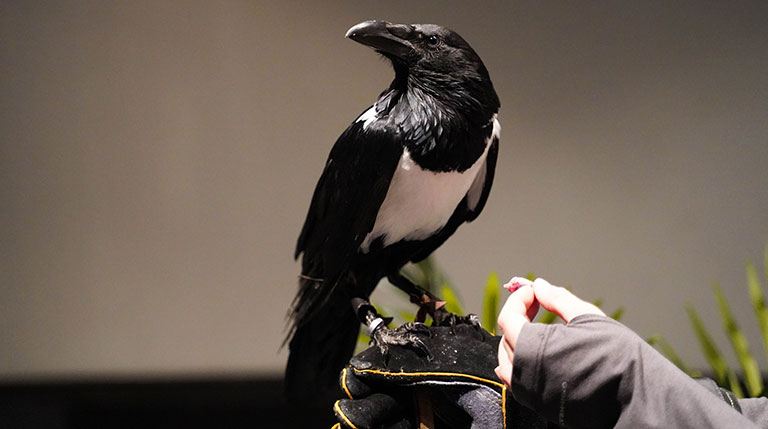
(516, 283)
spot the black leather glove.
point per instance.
(453, 387)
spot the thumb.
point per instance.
(515, 312)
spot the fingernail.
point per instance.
(516, 283)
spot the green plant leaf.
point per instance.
(766, 262)
(491, 303)
(427, 274)
(424, 273)
(708, 347)
(752, 376)
(757, 297)
(661, 343)
(363, 340)
(452, 302)
(734, 385)
(547, 318)
(617, 315)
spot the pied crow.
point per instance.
(397, 183)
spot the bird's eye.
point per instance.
(432, 40)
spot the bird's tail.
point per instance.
(324, 333)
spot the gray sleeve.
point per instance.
(756, 410)
(595, 372)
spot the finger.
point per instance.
(516, 283)
(370, 411)
(514, 314)
(561, 301)
(505, 356)
(519, 301)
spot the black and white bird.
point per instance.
(398, 182)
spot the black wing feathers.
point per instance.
(476, 203)
(343, 209)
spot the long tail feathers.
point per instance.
(322, 342)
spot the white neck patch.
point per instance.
(367, 117)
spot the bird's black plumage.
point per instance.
(398, 182)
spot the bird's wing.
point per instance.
(481, 186)
(323, 327)
(347, 198)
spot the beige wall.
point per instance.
(157, 159)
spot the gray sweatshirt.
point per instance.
(596, 373)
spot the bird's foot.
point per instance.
(404, 335)
(428, 305)
(443, 317)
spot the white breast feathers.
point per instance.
(419, 202)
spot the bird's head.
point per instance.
(433, 58)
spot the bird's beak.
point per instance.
(384, 37)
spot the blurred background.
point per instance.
(157, 160)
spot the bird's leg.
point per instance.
(430, 304)
(382, 336)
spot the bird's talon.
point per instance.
(405, 335)
(451, 320)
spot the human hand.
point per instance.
(521, 307)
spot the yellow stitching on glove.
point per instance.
(344, 382)
(341, 414)
(504, 406)
(336, 426)
(422, 374)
